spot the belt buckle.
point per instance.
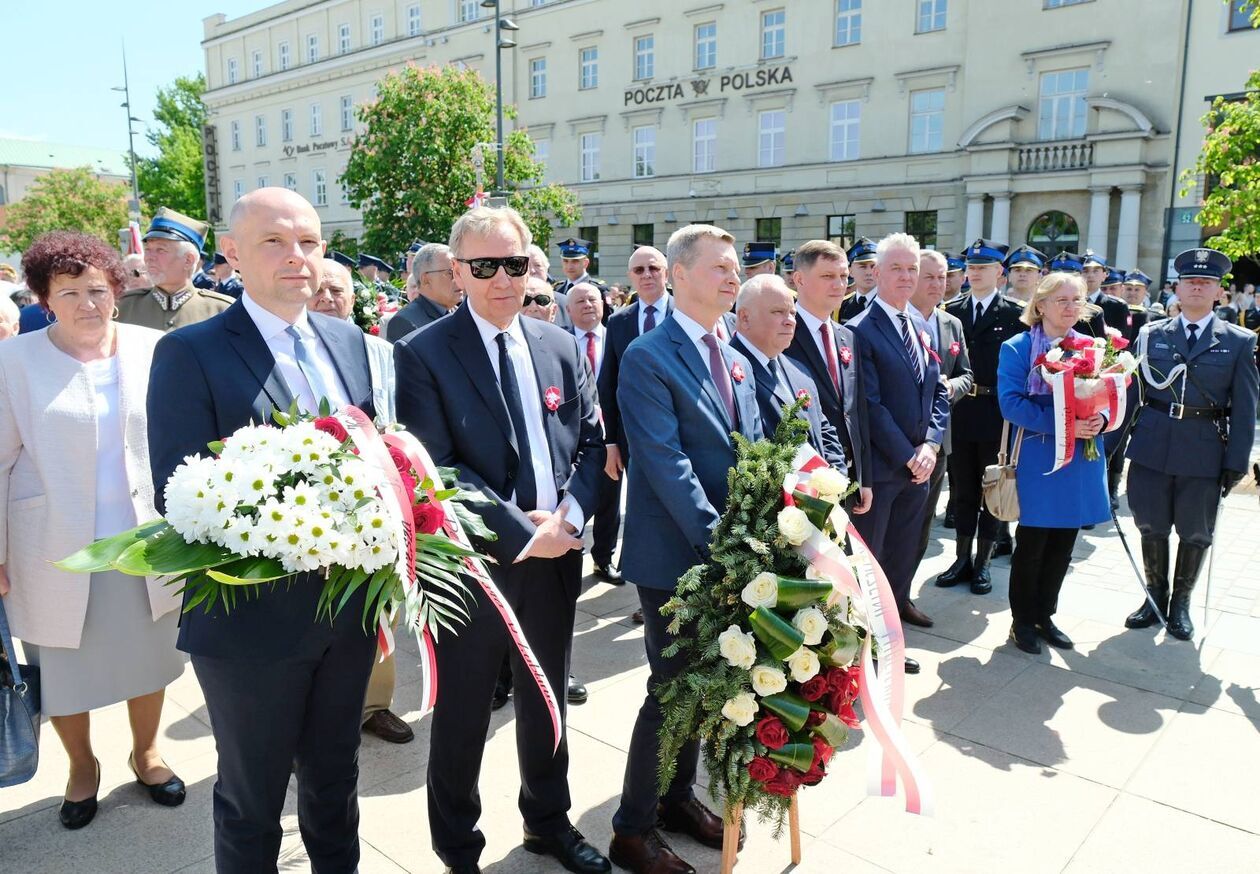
(1176, 411)
(973, 392)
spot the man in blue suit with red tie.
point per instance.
(682, 392)
(908, 409)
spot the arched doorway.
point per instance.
(1054, 231)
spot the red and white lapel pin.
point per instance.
(737, 372)
(551, 398)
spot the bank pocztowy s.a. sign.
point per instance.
(702, 87)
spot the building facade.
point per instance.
(1043, 121)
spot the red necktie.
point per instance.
(721, 379)
(590, 350)
(829, 345)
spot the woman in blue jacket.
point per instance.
(1052, 507)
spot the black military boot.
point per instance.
(1189, 560)
(1004, 545)
(1113, 485)
(980, 582)
(1155, 560)
(961, 570)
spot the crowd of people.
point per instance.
(549, 395)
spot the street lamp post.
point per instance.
(134, 206)
(502, 41)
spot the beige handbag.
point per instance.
(1001, 497)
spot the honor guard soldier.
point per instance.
(1023, 267)
(411, 255)
(788, 262)
(1065, 262)
(1095, 271)
(172, 254)
(760, 258)
(988, 320)
(1193, 436)
(575, 261)
(226, 280)
(1137, 286)
(862, 272)
(955, 268)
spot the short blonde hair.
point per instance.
(681, 248)
(1048, 286)
(896, 242)
(482, 220)
(935, 256)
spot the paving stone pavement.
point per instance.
(1133, 752)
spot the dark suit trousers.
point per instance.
(967, 460)
(607, 520)
(543, 593)
(639, 796)
(267, 714)
(1038, 566)
(896, 511)
(929, 511)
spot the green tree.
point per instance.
(176, 177)
(68, 200)
(411, 171)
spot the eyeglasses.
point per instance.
(1067, 302)
(449, 272)
(486, 268)
(646, 268)
(543, 300)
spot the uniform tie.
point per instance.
(526, 485)
(907, 339)
(1192, 333)
(722, 379)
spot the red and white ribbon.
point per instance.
(1079, 399)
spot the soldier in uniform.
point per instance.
(575, 261)
(1136, 289)
(788, 261)
(1023, 267)
(988, 320)
(225, 279)
(955, 270)
(1115, 312)
(172, 254)
(1065, 262)
(760, 258)
(1193, 436)
(862, 272)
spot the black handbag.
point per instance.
(19, 713)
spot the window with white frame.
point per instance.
(290, 181)
(260, 130)
(704, 145)
(235, 128)
(319, 182)
(773, 33)
(286, 125)
(312, 48)
(317, 120)
(588, 68)
(413, 20)
(238, 188)
(1061, 104)
(537, 77)
(347, 112)
(378, 29)
(644, 151)
(706, 46)
(848, 22)
(343, 38)
(927, 120)
(588, 148)
(467, 10)
(931, 15)
(255, 62)
(846, 124)
(282, 55)
(263, 181)
(542, 152)
(644, 56)
(771, 125)
(231, 71)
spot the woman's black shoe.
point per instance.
(77, 814)
(168, 794)
(1050, 633)
(1025, 637)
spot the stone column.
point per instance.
(1127, 234)
(975, 218)
(1099, 219)
(1001, 232)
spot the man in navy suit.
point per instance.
(509, 403)
(766, 325)
(682, 391)
(908, 406)
(282, 689)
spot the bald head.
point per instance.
(586, 306)
(274, 241)
(766, 313)
(335, 296)
(647, 273)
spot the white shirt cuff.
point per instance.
(572, 514)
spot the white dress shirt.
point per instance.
(600, 335)
(273, 330)
(986, 301)
(1205, 325)
(695, 331)
(912, 325)
(662, 309)
(755, 353)
(813, 323)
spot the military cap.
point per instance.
(344, 260)
(168, 224)
(985, 252)
(366, 260)
(1112, 279)
(1025, 256)
(204, 280)
(1089, 256)
(416, 246)
(862, 250)
(1137, 277)
(789, 260)
(1202, 262)
(953, 263)
(573, 248)
(1066, 262)
(219, 258)
(759, 253)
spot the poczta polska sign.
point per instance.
(701, 87)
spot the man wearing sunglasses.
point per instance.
(437, 294)
(509, 403)
(540, 301)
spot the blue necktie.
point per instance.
(910, 347)
(649, 318)
(306, 363)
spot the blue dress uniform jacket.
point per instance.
(1221, 373)
(1072, 496)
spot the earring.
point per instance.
(49, 316)
(116, 314)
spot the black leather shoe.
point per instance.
(500, 699)
(1025, 637)
(571, 849)
(577, 692)
(981, 583)
(168, 794)
(77, 814)
(1185, 574)
(1053, 635)
(1155, 563)
(961, 570)
(388, 727)
(609, 573)
(912, 665)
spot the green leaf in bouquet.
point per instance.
(816, 509)
(438, 543)
(474, 525)
(215, 446)
(832, 730)
(842, 645)
(795, 593)
(796, 756)
(325, 409)
(101, 555)
(444, 494)
(280, 418)
(165, 552)
(788, 706)
(778, 635)
(247, 571)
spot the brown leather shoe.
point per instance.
(915, 616)
(389, 727)
(694, 819)
(646, 854)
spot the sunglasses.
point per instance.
(486, 268)
(645, 268)
(543, 300)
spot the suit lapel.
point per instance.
(464, 343)
(809, 349)
(244, 338)
(349, 357)
(892, 333)
(784, 391)
(990, 313)
(699, 368)
(1214, 339)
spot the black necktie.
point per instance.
(979, 313)
(773, 367)
(526, 485)
(1192, 330)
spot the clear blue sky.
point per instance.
(60, 58)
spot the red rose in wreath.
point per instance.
(785, 783)
(332, 425)
(762, 769)
(428, 517)
(823, 751)
(813, 776)
(815, 718)
(772, 732)
(815, 688)
(401, 463)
